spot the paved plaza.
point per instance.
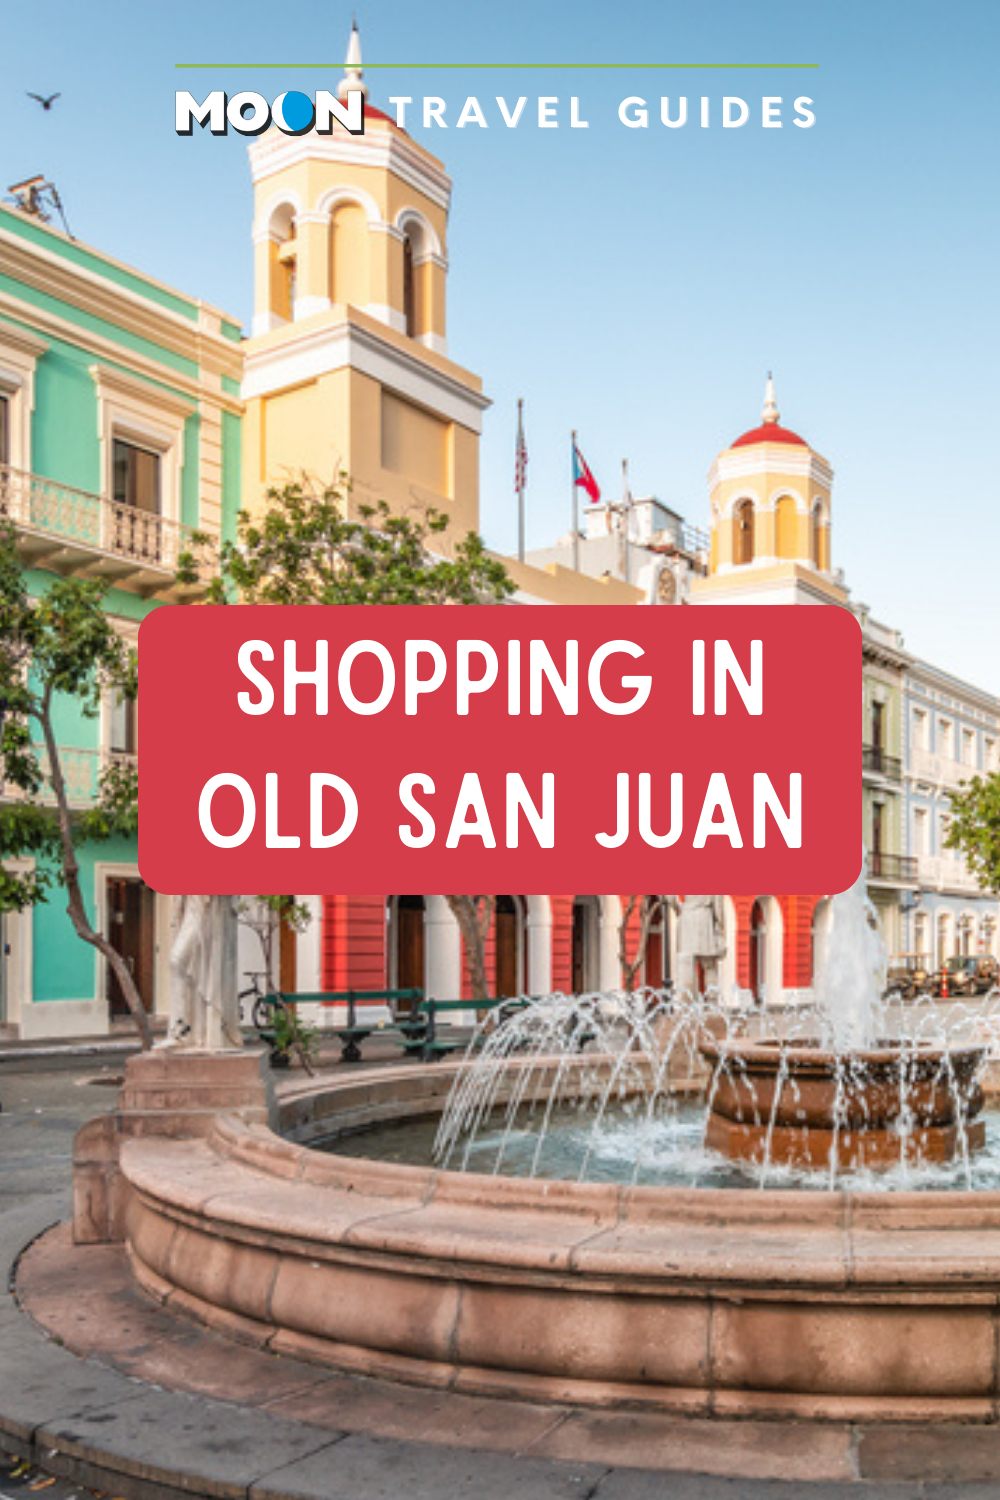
(102, 1388)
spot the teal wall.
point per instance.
(64, 442)
(65, 447)
(64, 965)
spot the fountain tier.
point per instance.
(797, 1105)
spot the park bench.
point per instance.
(438, 1043)
(356, 1027)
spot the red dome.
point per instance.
(372, 112)
(770, 432)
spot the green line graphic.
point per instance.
(550, 67)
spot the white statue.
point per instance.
(204, 1007)
(701, 940)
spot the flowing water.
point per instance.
(615, 1086)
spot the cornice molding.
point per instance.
(347, 345)
(120, 384)
(107, 349)
(381, 149)
(44, 271)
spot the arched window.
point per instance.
(816, 548)
(786, 526)
(743, 532)
(943, 937)
(409, 289)
(284, 261)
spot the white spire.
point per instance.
(353, 72)
(770, 412)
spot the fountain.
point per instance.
(820, 1089)
(551, 1217)
(848, 1098)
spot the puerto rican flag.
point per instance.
(583, 477)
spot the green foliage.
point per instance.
(295, 914)
(116, 811)
(59, 645)
(974, 828)
(291, 1035)
(27, 832)
(302, 550)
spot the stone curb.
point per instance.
(88, 1423)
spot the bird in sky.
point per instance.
(46, 103)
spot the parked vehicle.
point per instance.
(963, 975)
(908, 975)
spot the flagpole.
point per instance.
(625, 519)
(576, 505)
(520, 480)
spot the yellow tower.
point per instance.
(770, 520)
(347, 368)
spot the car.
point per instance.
(966, 974)
(908, 975)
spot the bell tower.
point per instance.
(347, 370)
(770, 520)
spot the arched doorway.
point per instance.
(758, 953)
(510, 959)
(821, 919)
(656, 966)
(407, 968)
(586, 944)
(766, 951)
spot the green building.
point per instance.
(119, 435)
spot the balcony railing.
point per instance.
(81, 771)
(946, 872)
(874, 758)
(929, 766)
(83, 522)
(898, 868)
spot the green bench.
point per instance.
(419, 1033)
(435, 1044)
(410, 1030)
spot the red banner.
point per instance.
(500, 748)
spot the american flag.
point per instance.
(520, 453)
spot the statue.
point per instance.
(204, 1006)
(701, 940)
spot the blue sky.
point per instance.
(634, 284)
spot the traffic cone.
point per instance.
(944, 984)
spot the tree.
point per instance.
(59, 646)
(974, 828)
(474, 915)
(303, 550)
(649, 908)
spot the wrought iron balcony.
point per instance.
(876, 760)
(896, 869)
(75, 531)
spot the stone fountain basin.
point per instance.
(716, 1302)
(801, 1083)
(800, 1105)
